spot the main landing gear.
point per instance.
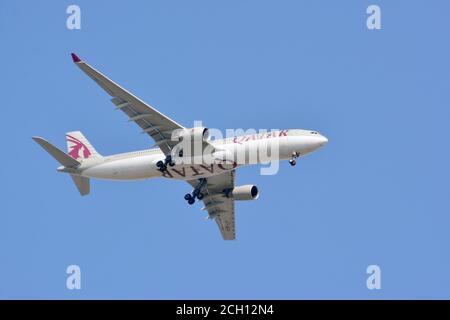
(190, 197)
(293, 160)
(162, 165)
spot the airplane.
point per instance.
(212, 182)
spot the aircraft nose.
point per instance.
(323, 140)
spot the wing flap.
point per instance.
(226, 225)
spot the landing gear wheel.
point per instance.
(293, 160)
(168, 160)
(196, 193)
(160, 164)
(171, 163)
(187, 197)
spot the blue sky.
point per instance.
(376, 194)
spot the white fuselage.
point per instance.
(238, 150)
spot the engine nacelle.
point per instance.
(246, 192)
(193, 134)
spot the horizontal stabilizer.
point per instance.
(82, 183)
(60, 156)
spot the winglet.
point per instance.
(75, 58)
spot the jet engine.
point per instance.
(246, 192)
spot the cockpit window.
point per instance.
(314, 132)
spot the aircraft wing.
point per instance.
(155, 124)
(218, 205)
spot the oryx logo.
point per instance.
(75, 146)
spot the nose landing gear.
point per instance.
(293, 160)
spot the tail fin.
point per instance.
(78, 147)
